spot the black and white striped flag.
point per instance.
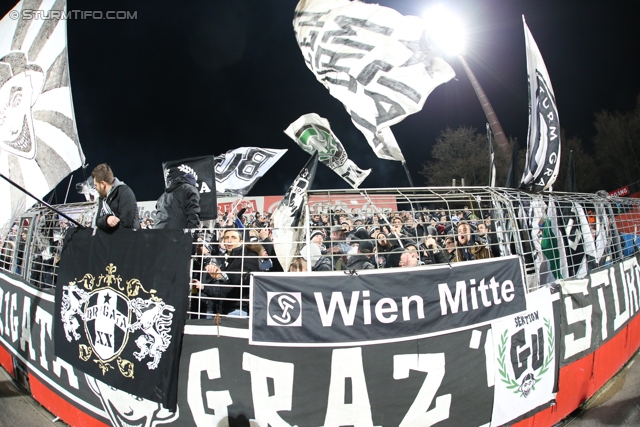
(543, 145)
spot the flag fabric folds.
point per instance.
(543, 144)
(238, 170)
(39, 143)
(374, 60)
(120, 308)
(288, 219)
(313, 133)
(203, 169)
(492, 164)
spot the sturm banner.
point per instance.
(595, 308)
(120, 307)
(382, 306)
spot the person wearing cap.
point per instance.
(467, 246)
(179, 206)
(361, 259)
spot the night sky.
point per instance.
(195, 78)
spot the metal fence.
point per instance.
(558, 235)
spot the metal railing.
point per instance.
(558, 236)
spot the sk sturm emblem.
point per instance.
(284, 308)
(541, 352)
(112, 313)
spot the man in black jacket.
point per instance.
(117, 207)
(179, 206)
(240, 259)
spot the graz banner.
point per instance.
(120, 308)
(382, 306)
(597, 307)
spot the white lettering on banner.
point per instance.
(490, 360)
(204, 188)
(25, 335)
(381, 310)
(434, 365)
(326, 316)
(597, 279)
(58, 364)
(1, 322)
(347, 363)
(621, 316)
(266, 406)
(15, 322)
(573, 345)
(447, 300)
(207, 361)
(629, 273)
(406, 305)
(45, 320)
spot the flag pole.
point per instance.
(41, 201)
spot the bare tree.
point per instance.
(587, 178)
(617, 144)
(463, 153)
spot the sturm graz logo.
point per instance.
(284, 308)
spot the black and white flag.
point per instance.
(377, 62)
(313, 133)
(238, 170)
(39, 143)
(203, 169)
(288, 218)
(543, 144)
(492, 164)
(120, 308)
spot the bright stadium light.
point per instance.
(445, 30)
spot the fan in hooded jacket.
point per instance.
(117, 207)
(179, 205)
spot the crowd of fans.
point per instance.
(240, 244)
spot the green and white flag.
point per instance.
(313, 133)
(524, 358)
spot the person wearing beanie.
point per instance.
(361, 260)
(179, 206)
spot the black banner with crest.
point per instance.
(120, 308)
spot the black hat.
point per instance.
(393, 259)
(366, 247)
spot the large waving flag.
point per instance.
(543, 145)
(288, 217)
(376, 61)
(238, 170)
(39, 143)
(313, 133)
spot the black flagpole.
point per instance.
(41, 201)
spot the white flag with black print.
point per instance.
(238, 170)
(543, 144)
(313, 133)
(376, 61)
(39, 143)
(289, 218)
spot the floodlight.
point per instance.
(445, 30)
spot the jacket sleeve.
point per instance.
(439, 258)
(101, 219)
(128, 208)
(192, 208)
